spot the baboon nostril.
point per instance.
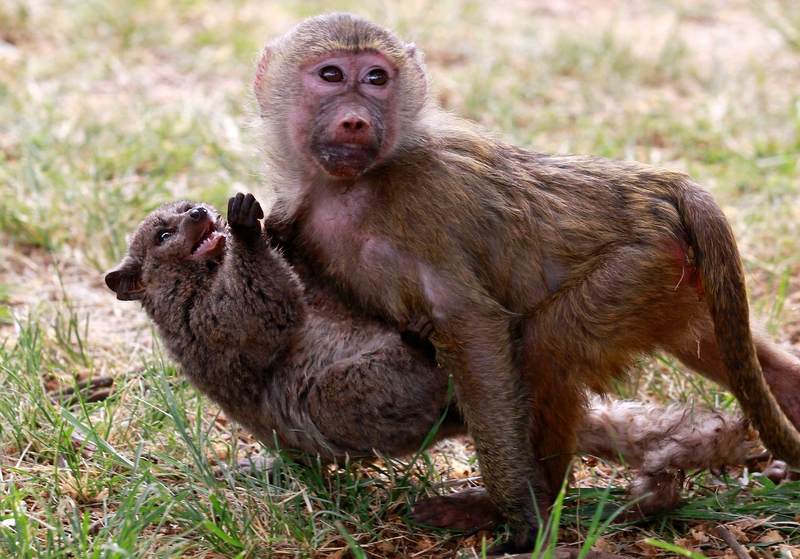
(198, 213)
(354, 123)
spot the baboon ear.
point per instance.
(261, 67)
(414, 53)
(126, 281)
(417, 58)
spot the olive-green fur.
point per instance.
(545, 275)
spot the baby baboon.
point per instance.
(543, 274)
(322, 380)
(233, 314)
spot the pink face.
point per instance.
(346, 115)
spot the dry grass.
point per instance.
(108, 109)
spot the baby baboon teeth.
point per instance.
(207, 243)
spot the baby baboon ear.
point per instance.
(126, 280)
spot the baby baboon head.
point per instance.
(179, 239)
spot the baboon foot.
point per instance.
(470, 509)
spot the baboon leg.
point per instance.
(697, 348)
(782, 373)
(555, 428)
(588, 333)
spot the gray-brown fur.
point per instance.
(239, 326)
(544, 274)
(662, 444)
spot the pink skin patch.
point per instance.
(687, 274)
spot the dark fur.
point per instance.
(243, 333)
(544, 274)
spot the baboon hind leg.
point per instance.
(697, 348)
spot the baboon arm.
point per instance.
(475, 345)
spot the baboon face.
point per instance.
(179, 237)
(345, 114)
(187, 231)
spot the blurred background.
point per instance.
(110, 108)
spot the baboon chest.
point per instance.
(345, 242)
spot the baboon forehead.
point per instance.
(164, 216)
(342, 32)
(167, 216)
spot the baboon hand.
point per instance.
(415, 329)
(415, 332)
(244, 211)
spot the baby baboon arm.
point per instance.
(415, 332)
(416, 329)
(258, 297)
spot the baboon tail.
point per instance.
(720, 266)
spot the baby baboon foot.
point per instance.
(779, 471)
(251, 466)
(470, 509)
(660, 493)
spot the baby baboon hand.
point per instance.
(244, 211)
(415, 332)
(415, 329)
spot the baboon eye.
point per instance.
(164, 235)
(331, 74)
(376, 77)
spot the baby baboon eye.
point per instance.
(331, 74)
(164, 235)
(376, 77)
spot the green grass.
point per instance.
(109, 108)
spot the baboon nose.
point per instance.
(198, 213)
(354, 123)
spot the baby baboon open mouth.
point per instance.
(210, 244)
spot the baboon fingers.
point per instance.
(235, 205)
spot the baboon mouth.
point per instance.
(210, 244)
(347, 160)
